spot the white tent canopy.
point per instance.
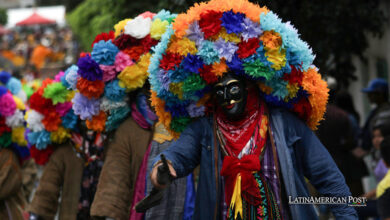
(56, 13)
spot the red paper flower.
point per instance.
(41, 156)
(148, 42)
(3, 127)
(104, 36)
(135, 52)
(295, 76)
(40, 104)
(90, 89)
(303, 108)
(208, 75)
(170, 61)
(83, 54)
(247, 48)
(51, 121)
(126, 41)
(210, 23)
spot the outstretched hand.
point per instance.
(153, 175)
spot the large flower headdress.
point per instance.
(116, 66)
(12, 109)
(50, 119)
(213, 38)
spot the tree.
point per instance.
(3, 16)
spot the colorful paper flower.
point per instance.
(89, 69)
(104, 52)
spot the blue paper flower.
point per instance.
(192, 63)
(14, 85)
(116, 117)
(4, 77)
(226, 49)
(69, 79)
(3, 90)
(235, 65)
(89, 69)
(40, 138)
(114, 92)
(164, 15)
(70, 120)
(208, 53)
(232, 21)
(104, 52)
(178, 75)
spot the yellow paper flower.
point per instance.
(227, 37)
(120, 26)
(18, 136)
(19, 103)
(182, 46)
(176, 88)
(70, 95)
(60, 135)
(134, 76)
(292, 90)
(276, 57)
(158, 28)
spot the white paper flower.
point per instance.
(15, 120)
(34, 121)
(139, 27)
(108, 105)
(22, 95)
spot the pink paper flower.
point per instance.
(63, 108)
(122, 60)
(108, 72)
(7, 105)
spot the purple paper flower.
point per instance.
(84, 107)
(63, 108)
(195, 111)
(194, 33)
(192, 63)
(89, 69)
(250, 29)
(232, 21)
(164, 80)
(104, 52)
(226, 49)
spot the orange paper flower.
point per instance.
(90, 89)
(98, 122)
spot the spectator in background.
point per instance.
(378, 94)
(383, 189)
(338, 134)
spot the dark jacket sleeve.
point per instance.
(45, 200)
(10, 174)
(116, 182)
(320, 169)
(184, 154)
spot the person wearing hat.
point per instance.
(239, 90)
(378, 94)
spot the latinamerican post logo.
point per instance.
(346, 200)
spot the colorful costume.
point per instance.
(122, 182)
(267, 151)
(13, 147)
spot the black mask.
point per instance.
(231, 95)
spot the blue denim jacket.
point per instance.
(300, 154)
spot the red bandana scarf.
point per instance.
(234, 136)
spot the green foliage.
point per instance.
(3, 16)
(91, 18)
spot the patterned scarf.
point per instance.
(91, 149)
(141, 112)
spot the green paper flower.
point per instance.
(56, 92)
(257, 69)
(179, 124)
(5, 139)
